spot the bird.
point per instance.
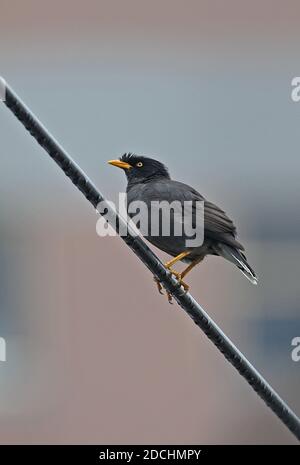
(149, 181)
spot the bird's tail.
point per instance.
(236, 257)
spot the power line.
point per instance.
(139, 247)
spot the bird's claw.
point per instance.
(161, 290)
(170, 298)
(180, 281)
(178, 276)
(159, 286)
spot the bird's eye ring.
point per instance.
(139, 164)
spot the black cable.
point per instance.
(185, 300)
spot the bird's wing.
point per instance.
(217, 226)
(216, 219)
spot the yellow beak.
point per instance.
(120, 164)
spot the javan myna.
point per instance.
(149, 181)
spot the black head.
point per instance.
(140, 169)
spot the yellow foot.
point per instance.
(159, 286)
(170, 298)
(179, 279)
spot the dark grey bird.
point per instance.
(149, 181)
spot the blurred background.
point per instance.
(94, 353)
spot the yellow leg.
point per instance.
(175, 273)
(190, 267)
(180, 276)
(176, 259)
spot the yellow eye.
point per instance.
(139, 164)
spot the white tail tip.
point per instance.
(2, 89)
(252, 279)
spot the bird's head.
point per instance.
(140, 169)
